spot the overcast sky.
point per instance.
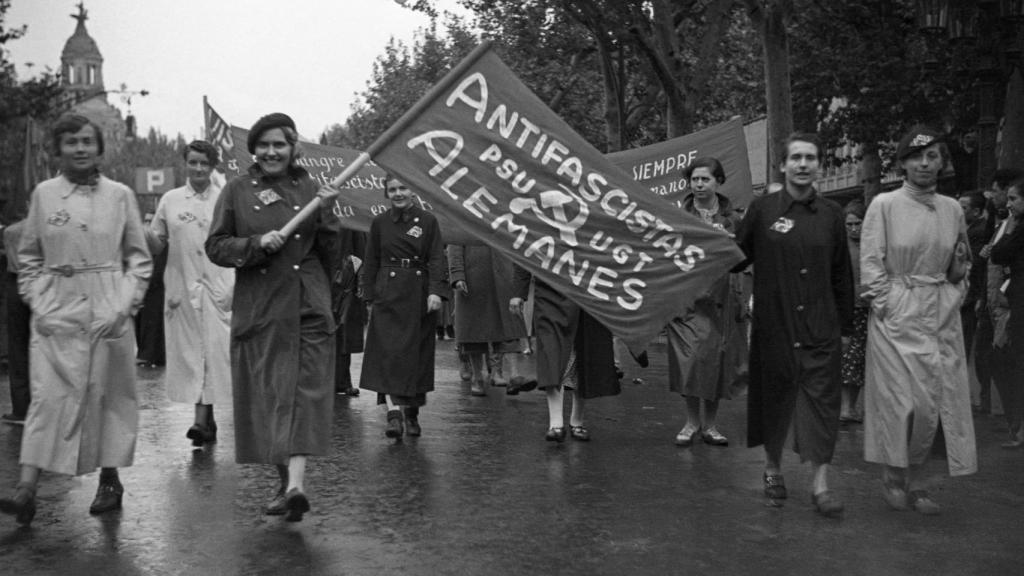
(307, 58)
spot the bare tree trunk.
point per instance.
(871, 171)
(1012, 147)
(770, 17)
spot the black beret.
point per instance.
(917, 138)
(268, 122)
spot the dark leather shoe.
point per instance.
(579, 433)
(296, 503)
(22, 505)
(108, 496)
(276, 507)
(556, 434)
(200, 435)
(412, 421)
(775, 486)
(394, 427)
(713, 437)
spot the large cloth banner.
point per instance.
(660, 166)
(506, 170)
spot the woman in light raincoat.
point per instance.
(197, 306)
(84, 267)
(916, 373)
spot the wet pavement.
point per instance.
(481, 492)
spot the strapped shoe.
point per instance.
(394, 427)
(555, 434)
(108, 496)
(579, 433)
(775, 486)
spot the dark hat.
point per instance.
(917, 138)
(268, 122)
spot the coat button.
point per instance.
(796, 345)
(256, 208)
(803, 271)
(800, 308)
(419, 273)
(263, 270)
(295, 266)
(296, 208)
(391, 274)
(297, 236)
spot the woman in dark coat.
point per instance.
(282, 331)
(403, 277)
(1008, 251)
(574, 354)
(482, 282)
(349, 309)
(708, 344)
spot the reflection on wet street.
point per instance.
(481, 492)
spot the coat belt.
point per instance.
(69, 270)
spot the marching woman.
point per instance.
(575, 360)
(84, 267)
(708, 344)
(482, 282)
(913, 247)
(282, 330)
(403, 278)
(197, 294)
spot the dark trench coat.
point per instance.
(282, 330)
(803, 303)
(404, 264)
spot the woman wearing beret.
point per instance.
(403, 278)
(197, 306)
(83, 270)
(282, 330)
(912, 243)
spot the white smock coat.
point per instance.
(916, 371)
(197, 298)
(84, 268)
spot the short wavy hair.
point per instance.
(709, 162)
(205, 148)
(71, 124)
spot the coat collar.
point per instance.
(409, 213)
(787, 200)
(89, 184)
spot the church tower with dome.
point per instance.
(82, 79)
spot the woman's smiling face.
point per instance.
(273, 152)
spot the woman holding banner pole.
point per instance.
(282, 329)
(403, 278)
(707, 345)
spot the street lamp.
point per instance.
(126, 97)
